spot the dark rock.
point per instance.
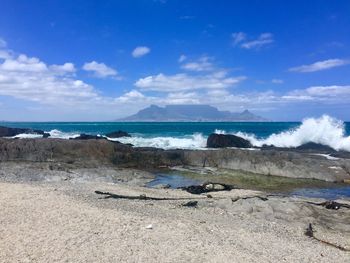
(207, 187)
(46, 135)
(118, 134)
(84, 136)
(191, 204)
(315, 146)
(10, 132)
(227, 140)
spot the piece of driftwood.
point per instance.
(310, 233)
(331, 205)
(142, 197)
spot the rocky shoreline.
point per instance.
(293, 163)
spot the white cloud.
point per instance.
(277, 81)
(322, 91)
(2, 43)
(182, 82)
(263, 40)
(238, 38)
(65, 68)
(131, 96)
(321, 65)
(29, 78)
(182, 98)
(202, 64)
(182, 58)
(100, 70)
(140, 51)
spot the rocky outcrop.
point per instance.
(118, 134)
(84, 136)
(227, 140)
(311, 146)
(10, 132)
(94, 153)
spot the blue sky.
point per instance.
(87, 60)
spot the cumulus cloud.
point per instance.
(131, 96)
(63, 69)
(140, 51)
(182, 82)
(240, 39)
(202, 64)
(31, 79)
(320, 65)
(100, 70)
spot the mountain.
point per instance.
(190, 113)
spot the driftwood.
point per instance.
(142, 197)
(310, 233)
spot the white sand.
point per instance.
(68, 223)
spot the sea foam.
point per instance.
(62, 135)
(324, 130)
(195, 141)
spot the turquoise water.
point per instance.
(158, 129)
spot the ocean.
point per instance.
(193, 135)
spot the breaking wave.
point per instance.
(62, 135)
(195, 141)
(324, 130)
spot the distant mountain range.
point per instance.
(190, 113)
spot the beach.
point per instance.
(55, 218)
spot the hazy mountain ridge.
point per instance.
(190, 113)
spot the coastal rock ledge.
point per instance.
(94, 153)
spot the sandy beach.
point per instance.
(66, 221)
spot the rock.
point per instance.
(207, 187)
(118, 134)
(84, 136)
(10, 132)
(190, 204)
(46, 135)
(214, 187)
(150, 226)
(315, 146)
(227, 140)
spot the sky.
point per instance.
(102, 60)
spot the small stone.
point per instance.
(150, 226)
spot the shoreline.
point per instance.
(293, 163)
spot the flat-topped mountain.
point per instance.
(190, 113)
